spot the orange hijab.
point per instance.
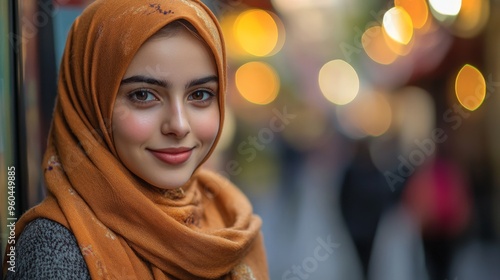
(125, 229)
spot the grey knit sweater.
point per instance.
(47, 250)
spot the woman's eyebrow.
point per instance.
(166, 84)
(145, 79)
(201, 81)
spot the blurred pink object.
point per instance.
(439, 199)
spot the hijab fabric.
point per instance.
(125, 229)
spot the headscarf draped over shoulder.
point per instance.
(126, 230)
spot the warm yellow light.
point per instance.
(257, 32)
(375, 114)
(472, 18)
(370, 114)
(281, 34)
(446, 7)
(376, 47)
(338, 82)
(398, 25)
(257, 82)
(395, 46)
(470, 87)
(233, 47)
(416, 9)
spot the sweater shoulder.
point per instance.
(47, 250)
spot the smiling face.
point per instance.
(166, 114)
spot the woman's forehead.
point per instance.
(179, 55)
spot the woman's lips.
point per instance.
(173, 156)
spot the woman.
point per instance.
(140, 107)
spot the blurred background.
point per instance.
(362, 131)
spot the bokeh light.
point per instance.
(376, 113)
(257, 82)
(414, 116)
(398, 25)
(416, 9)
(470, 87)
(472, 18)
(395, 46)
(233, 47)
(257, 32)
(376, 47)
(446, 7)
(281, 34)
(370, 114)
(338, 82)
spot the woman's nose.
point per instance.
(176, 122)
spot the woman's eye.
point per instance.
(201, 95)
(142, 96)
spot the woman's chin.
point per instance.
(169, 185)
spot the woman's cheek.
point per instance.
(136, 127)
(207, 126)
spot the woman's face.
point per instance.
(166, 114)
